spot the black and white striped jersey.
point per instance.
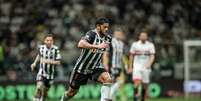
(53, 53)
(116, 53)
(90, 58)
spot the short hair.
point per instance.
(49, 35)
(101, 21)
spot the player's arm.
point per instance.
(131, 58)
(152, 57)
(150, 61)
(106, 60)
(48, 61)
(85, 44)
(33, 65)
(87, 40)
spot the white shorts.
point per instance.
(142, 74)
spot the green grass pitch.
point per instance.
(157, 99)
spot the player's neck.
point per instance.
(143, 41)
(99, 34)
(48, 47)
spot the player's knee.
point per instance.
(107, 80)
(136, 83)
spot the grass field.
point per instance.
(158, 99)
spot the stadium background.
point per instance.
(23, 23)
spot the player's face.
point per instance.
(48, 41)
(104, 28)
(119, 35)
(143, 36)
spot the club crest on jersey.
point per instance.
(93, 50)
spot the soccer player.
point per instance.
(93, 45)
(48, 56)
(141, 58)
(113, 59)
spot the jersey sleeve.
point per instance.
(132, 49)
(152, 49)
(58, 55)
(89, 37)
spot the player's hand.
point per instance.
(33, 65)
(103, 45)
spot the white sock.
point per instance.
(105, 92)
(36, 99)
(114, 89)
(41, 98)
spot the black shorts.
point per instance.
(47, 82)
(115, 72)
(78, 79)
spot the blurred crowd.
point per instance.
(23, 23)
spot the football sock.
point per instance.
(135, 93)
(105, 92)
(114, 89)
(143, 94)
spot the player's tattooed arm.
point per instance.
(84, 44)
(106, 60)
(48, 61)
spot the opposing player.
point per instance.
(93, 44)
(48, 56)
(113, 60)
(141, 58)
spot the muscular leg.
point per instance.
(69, 94)
(44, 93)
(106, 80)
(38, 91)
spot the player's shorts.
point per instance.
(143, 75)
(115, 72)
(78, 79)
(47, 82)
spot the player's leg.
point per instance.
(69, 94)
(144, 91)
(117, 82)
(38, 91)
(145, 82)
(136, 83)
(106, 80)
(100, 75)
(44, 92)
(76, 80)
